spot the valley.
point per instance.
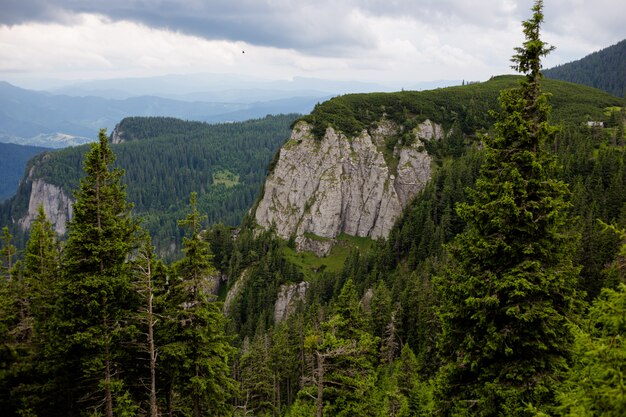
(456, 251)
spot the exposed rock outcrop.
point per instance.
(315, 244)
(117, 136)
(346, 185)
(234, 291)
(56, 204)
(289, 295)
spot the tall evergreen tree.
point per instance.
(11, 353)
(7, 255)
(200, 353)
(510, 291)
(148, 277)
(343, 355)
(96, 299)
(41, 267)
(36, 297)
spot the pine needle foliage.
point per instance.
(96, 299)
(510, 289)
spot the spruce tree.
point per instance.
(96, 299)
(149, 281)
(200, 352)
(595, 386)
(11, 354)
(510, 290)
(342, 374)
(8, 253)
(41, 268)
(36, 296)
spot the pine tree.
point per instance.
(11, 354)
(147, 270)
(200, 353)
(41, 267)
(417, 392)
(35, 294)
(510, 290)
(621, 120)
(91, 319)
(7, 255)
(595, 386)
(257, 390)
(342, 378)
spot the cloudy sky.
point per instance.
(364, 40)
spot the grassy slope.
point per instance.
(310, 264)
(468, 106)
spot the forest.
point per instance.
(501, 291)
(604, 70)
(164, 160)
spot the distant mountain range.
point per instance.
(604, 70)
(230, 88)
(165, 160)
(44, 119)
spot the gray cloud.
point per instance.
(310, 26)
(324, 27)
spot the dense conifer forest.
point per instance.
(499, 292)
(605, 70)
(164, 160)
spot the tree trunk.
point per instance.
(154, 412)
(196, 400)
(108, 396)
(319, 401)
(169, 398)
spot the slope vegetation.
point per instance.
(605, 70)
(165, 160)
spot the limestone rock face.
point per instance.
(117, 136)
(321, 247)
(289, 295)
(343, 185)
(234, 291)
(56, 204)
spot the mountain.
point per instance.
(337, 184)
(390, 167)
(164, 159)
(362, 318)
(45, 119)
(13, 159)
(230, 88)
(604, 69)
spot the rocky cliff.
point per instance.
(319, 189)
(56, 204)
(289, 295)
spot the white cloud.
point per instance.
(95, 47)
(377, 40)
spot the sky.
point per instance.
(403, 41)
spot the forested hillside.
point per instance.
(604, 69)
(165, 160)
(13, 159)
(499, 292)
(365, 332)
(369, 334)
(56, 121)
